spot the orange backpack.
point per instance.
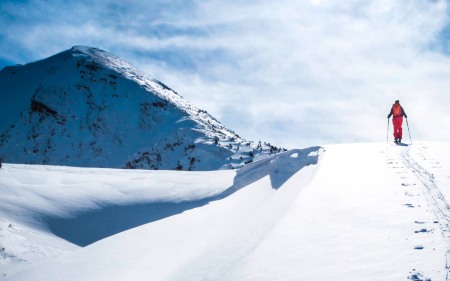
(396, 110)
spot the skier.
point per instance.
(398, 113)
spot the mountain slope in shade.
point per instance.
(86, 107)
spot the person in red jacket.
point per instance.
(398, 113)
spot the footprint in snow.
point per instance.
(423, 230)
(417, 276)
(409, 194)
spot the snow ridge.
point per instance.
(85, 205)
(152, 85)
(279, 168)
(299, 215)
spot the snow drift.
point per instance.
(84, 205)
(344, 212)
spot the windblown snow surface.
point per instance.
(339, 212)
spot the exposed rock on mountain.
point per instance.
(86, 107)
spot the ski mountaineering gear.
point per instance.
(398, 113)
(398, 132)
(407, 125)
(387, 132)
(396, 110)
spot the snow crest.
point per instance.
(279, 167)
(383, 209)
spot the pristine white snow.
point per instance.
(342, 212)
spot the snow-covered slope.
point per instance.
(344, 212)
(88, 108)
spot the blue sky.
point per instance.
(293, 73)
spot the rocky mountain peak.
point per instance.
(86, 107)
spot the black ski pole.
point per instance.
(407, 125)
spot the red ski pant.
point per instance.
(397, 122)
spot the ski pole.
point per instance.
(387, 133)
(407, 125)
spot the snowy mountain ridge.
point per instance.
(89, 108)
(152, 85)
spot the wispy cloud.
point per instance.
(294, 73)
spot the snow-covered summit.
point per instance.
(87, 107)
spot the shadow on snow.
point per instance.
(90, 226)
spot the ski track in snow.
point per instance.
(436, 199)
